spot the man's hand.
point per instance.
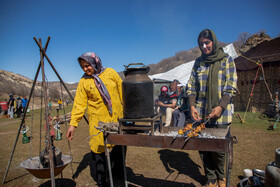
(216, 112)
(70, 132)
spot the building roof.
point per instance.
(267, 51)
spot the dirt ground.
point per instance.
(145, 166)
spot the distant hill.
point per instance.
(19, 85)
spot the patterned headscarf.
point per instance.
(96, 63)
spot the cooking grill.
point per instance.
(220, 140)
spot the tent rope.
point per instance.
(264, 79)
(259, 63)
(251, 95)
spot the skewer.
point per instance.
(207, 120)
(190, 131)
(196, 121)
(187, 139)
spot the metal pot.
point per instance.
(138, 92)
(45, 160)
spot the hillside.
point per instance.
(15, 83)
(18, 85)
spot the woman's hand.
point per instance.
(194, 113)
(70, 132)
(216, 112)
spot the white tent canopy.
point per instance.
(183, 72)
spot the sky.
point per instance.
(120, 32)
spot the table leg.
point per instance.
(229, 161)
(107, 154)
(124, 167)
(227, 171)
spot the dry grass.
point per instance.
(145, 166)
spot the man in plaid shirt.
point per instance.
(210, 89)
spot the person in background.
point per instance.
(181, 112)
(18, 107)
(166, 104)
(50, 105)
(176, 83)
(11, 104)
(210, 89)
(172, 90)
(180, 94)
(24, 103)
(59, 104)
(100, 93)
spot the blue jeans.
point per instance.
(179, 118)
(11, 111)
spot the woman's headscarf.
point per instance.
(217, 52)
(214, 60)
(96, 63)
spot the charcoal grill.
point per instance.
(223, 142)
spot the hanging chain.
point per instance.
(66, 125)
(32, 115)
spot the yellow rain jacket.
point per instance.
(88, 96)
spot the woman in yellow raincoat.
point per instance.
(100, 91)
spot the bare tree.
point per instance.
(54, 93)
(242, 37)
(262, 31)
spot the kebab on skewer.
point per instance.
(190, 131)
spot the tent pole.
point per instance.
(45, 55)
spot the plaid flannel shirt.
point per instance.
(227, 79)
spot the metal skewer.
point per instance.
(207, 120)
(187, 139)
(196, 121)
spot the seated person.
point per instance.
(181, 113)
(172, 91)
(166, 104)
(180, 94)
